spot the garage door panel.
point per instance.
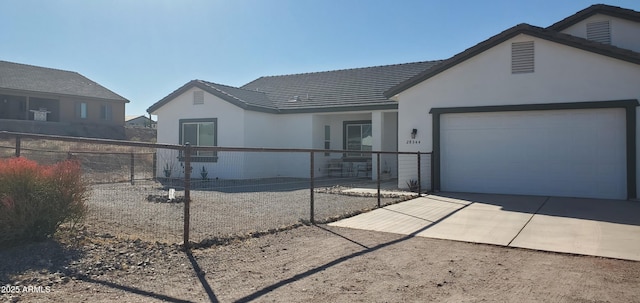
(562, 153)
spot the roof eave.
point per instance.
(604, 9)
(345, 108)
(27, 92)
(211, 90)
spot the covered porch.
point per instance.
(357, 133)
(15, 107)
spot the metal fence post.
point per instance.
(311, 185)
(431, 169)
(132, 167)
(155, 166)
(419, 175)
(187, 193)
(18, 143)
(378, 174)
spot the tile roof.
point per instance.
(604, 9)
(23, 77)
(547, 34)
(335, 90)
(338, 90)
(247, 99)
(133, 117)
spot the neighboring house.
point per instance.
(50, 101)
(139, 121)
(343, 109)
(537, 111)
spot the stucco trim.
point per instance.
(631, 124)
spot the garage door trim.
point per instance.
(628, 105)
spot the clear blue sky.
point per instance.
(145, 49)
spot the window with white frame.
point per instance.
(358, 136)
(200, 132)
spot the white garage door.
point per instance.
(575, 153)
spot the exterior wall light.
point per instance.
(414, 132)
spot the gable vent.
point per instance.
(198, 97)
(522, 56)
(599, 32)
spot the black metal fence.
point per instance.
(206, 195)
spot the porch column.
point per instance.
(377, 131)
(26, 110)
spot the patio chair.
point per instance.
(364, 167)
(334, 165)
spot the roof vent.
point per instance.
(522, 57)
(599, 32)
(198, 97)
(295, 99)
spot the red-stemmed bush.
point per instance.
(36, 199)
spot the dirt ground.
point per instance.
(309, 263)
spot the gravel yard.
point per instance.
(233, 210)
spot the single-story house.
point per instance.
(531, 110)
(342, 109)
(44, 100)
(538, 111)
(139, 121)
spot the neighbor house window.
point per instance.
(327, 139)
(522, 57)
(200, 132)
(81, 110)
(105, 112)
(358, 137)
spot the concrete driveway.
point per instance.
(607, 228)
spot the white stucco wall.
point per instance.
(624, 33)
(294, 131)
(562, 74)
(242, 128)
(230, 133)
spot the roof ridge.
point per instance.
(247, 102)
(344, 69)
(225, 85)
(209, 84)
(606, 9)
(43, 67)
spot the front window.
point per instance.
(200, 132)
(358, 137)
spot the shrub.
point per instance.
(36, 199)
(413, 185)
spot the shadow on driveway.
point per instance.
(603, 210)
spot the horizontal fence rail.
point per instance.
(207, 195)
